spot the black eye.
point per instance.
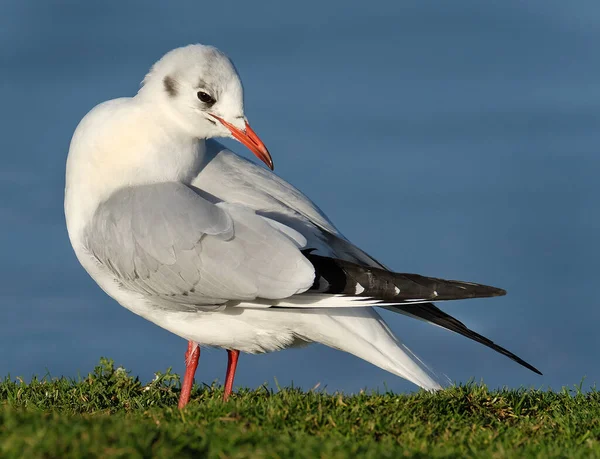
(205, 97)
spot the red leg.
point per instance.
(232, 361)
(192, 356)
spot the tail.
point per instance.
(408, 294)
(363, 333)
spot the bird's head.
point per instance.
(200, 89)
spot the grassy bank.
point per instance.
(111, 414)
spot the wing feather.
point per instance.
(167, 242)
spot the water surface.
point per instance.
(457, 140)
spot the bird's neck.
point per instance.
(122, 145)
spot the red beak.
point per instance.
(249, 138)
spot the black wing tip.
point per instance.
(489, 291)
(345, 277)
(501, 350)
(529, 367)
(431, 313)
(498, 291)
(461, 290)
(535, 370)
(519, 360)
(496, 347)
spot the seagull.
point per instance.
(221, 251)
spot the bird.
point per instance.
(218, 249)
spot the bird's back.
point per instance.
(229, 177)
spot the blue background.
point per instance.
(454, 139)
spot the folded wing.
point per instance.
(172, 245)
(229, 177)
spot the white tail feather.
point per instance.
(363, 333)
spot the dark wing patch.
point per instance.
(343, 277)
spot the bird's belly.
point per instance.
(247, 330)
(251, 331)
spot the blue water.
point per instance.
(455, 139)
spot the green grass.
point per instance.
(111, 414)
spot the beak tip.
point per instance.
(249, 138)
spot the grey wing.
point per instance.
(228, 177)
(170, 244)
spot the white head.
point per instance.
(200, 89)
